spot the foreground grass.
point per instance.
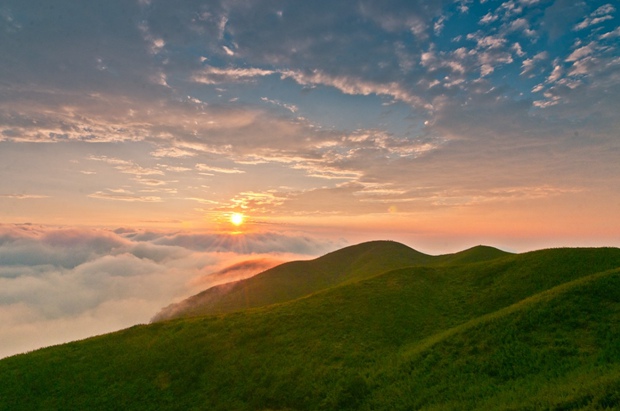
(533, 331)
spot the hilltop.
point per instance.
(478, 329)
(296, 279)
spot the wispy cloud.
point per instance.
(530, 64)
(290, 107)
(599, 15)
(215, 75)
(354, 85)
(124, 195)
(127, 167)
(222, 170)
(23, 196)
(173, 152)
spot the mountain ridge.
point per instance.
(296, 279)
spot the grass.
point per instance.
(301, 278)
(513, 332)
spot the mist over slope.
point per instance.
(296, 279)
(60, 284)
(527, 331)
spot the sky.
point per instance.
(130, 131)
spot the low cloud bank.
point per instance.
(59, 284)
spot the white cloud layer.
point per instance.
(58, 285)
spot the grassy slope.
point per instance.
(472, 255)
(532, 331)
(296, 279)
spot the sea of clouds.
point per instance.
(64, 284)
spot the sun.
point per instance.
(237, 219)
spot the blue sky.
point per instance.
(443, 124)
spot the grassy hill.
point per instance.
(472, 255)
(517, 332)
(296, 279)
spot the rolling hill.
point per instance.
(479, 329)
(301, 278)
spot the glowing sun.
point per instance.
(236, 219)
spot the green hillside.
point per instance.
(296, 279)
(472, 255)
(518, 332)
